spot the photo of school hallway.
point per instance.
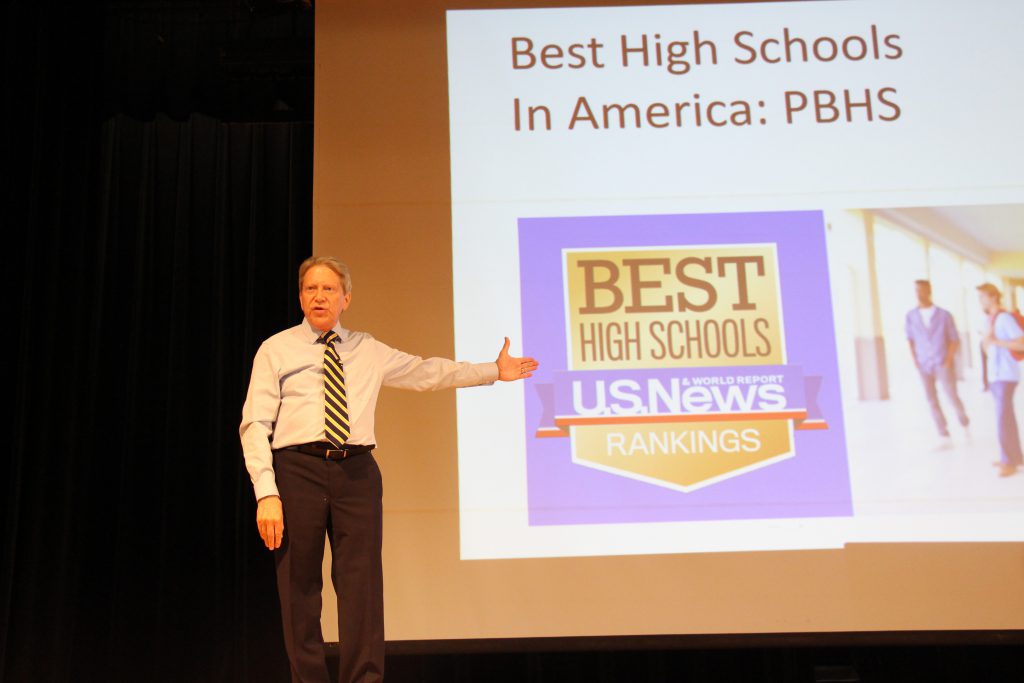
(899, 462)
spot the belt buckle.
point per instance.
(330, 451)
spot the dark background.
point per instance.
(158, 201)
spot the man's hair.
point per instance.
(926, 283)
(334, 264)
(991, 290)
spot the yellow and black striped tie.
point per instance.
(336, 424)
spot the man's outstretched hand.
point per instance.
(511, 368)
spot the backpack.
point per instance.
(1017, 355)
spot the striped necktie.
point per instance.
(336, 425)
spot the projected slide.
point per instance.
(745, 243)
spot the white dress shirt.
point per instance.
(285, 402)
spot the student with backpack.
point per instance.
(1004, 348)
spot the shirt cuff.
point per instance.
(488, 372)
(265, 486)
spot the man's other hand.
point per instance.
(270, 521)
(511, 368)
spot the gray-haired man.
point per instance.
(307, 435)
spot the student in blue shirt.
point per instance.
(1003, 337)
(934, 341)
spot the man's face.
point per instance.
(989, 303)
(924, 294)
(322, 297)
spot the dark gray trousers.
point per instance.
(340, 500)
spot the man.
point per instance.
(934, 341)
(307, 437)
(1004, 335)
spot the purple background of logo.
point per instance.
(813, 483)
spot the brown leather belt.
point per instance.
(328, 451)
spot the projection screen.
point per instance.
(708, 223)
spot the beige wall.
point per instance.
(381, 202)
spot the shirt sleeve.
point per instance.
(405, 371)
(259, 413)
(906, 326)
(951, 334)
(1007, 328)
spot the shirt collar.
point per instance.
(311, 334)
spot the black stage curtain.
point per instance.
(150, 259)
